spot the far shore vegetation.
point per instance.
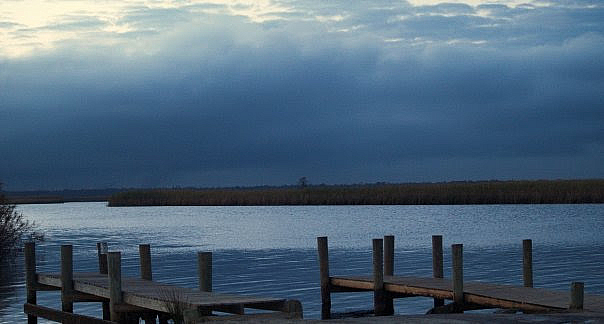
(445, 193)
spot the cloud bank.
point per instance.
(208, 94)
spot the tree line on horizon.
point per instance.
(446, 193)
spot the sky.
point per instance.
(152, 93)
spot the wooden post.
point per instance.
(527, 262)
(294, 309)
(389, 270)
(388, 255)
(458, 273)
(379, 305)
(576, 295)
(324, 277)
(437, 263)
(67, 278)
(30, 278)
(101, 249)
(114, 262)
(204, 268)
(144, 251)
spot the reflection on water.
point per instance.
(284, 263)
(11, 281)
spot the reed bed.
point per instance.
(446, 193)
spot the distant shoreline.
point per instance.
(443, 193)
(446, 193)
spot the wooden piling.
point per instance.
(379, 303)
(437, 263)
(527, 263)
(114, 262)
(576, 296)
(101, 249)
(67, 278)
(457, 274)
(204, 268)
(324, 276)
(389, 255)
(389, 270)
(30, 278)
(144, 251)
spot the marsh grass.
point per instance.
(446, 193)
(176, 304)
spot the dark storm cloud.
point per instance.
(220, 100)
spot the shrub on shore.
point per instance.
(14, 228)
(449, 193)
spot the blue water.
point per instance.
(271, 251)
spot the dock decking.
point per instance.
(465, 295)
(140, 298)
(478, 293)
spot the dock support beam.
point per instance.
(114, 262)
(324, 276)
(457, 275)
(576, 296)
(67, 278)
(388, 271)
(30, 278)
(144, 251)
(204, 267)
(102, 249)
(204, 271)
(437, 263)
(527, 263)
(379, 303)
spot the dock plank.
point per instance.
(495, 295)
(155, 296)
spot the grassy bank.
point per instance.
(454, 193)
(60, 196)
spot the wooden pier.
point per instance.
(465, 295)
(126, 300)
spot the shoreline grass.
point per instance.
(446, 193)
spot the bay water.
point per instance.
(271, 250)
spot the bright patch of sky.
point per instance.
(29, 26)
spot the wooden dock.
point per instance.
(125, 300)
(465, 295)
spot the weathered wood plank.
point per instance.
(60, 316)
(67, 278)
(527, 263)
(388, 271)
(323, 253)
(487, 294)
(31, 282)
(144, 251)
(114, 263)
(437, 263)
(379, 295)
(204, 269)
(153, 295)
(353, 283)
(457, 273)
